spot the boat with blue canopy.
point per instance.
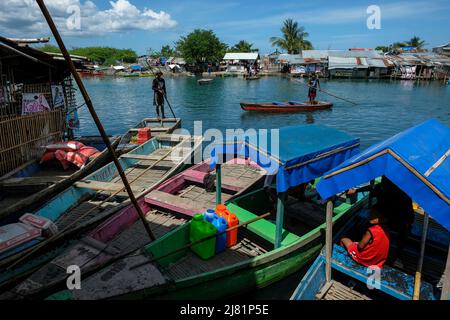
(417, 162)
(284, 225)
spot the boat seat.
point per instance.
(393, 282)
(263, 228)
(296, 102)
(104, 186)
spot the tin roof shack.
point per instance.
(420, 66)
(358, 63)
(442, 50)
(36, 93)
(236, 61)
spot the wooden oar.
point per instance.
(333, 95)
(200, 241)
(61, 233)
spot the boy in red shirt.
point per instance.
(373, 248)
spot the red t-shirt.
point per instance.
(376, 252)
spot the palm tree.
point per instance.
(416, 42)
(243, 46)
(293, 40)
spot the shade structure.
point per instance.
(416, 160)
(295, 154)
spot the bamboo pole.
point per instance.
(328, 240)
(218, 184)
(93, 113)
(201, 240)
(418, 275)
(330, 94)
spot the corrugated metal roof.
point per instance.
(317, 54)
(357, 54)
(241, 56)
(377, 63)
(346, 63)
(291, 58)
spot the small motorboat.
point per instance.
(204, 81)
(252, 77)
(290, 106)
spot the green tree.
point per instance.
(167, 51)
(382, 48)
(106, 55)
(201, 46)
(293, 39)
(416, 42)
(243, 46)
(49, 48)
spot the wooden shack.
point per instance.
(36, 94)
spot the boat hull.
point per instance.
(270, 107)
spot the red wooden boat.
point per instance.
(290, 106)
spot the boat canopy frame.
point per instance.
(295, 155)
(417, 162)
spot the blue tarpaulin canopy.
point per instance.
(295, 154)
(136, 67)
(416, 160)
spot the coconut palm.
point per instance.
(293, 39)
(416, 42)
(243, 46)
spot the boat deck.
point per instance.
(338, 291)
(192, 265)
(92, 207)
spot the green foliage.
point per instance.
(416, 42)
(242, 46)
(106, 55)
(201, 46)
(293, 39)
(167, 51)
(49, 48)
(382, 48)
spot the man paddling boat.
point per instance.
(313, 84)
(159, 91)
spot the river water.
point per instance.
(383, 109)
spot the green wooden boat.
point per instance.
(267, 250)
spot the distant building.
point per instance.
(443, 49)
(236, 61)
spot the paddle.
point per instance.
(200, 241)
(333, 95)
(165, 96)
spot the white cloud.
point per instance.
(23, 18)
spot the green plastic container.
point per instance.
(199, 229)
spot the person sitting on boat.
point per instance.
(373, 249)
(398, 212)
(159, 91)
(313, 84)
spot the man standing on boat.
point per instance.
(313, 84)
(159, 91)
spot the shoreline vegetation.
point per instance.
(201, 52)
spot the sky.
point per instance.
(148, 24)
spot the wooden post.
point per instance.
(280, 217)
(446, 286)
(94, 115)
(218, 184)
(329, 240)
(416, 294)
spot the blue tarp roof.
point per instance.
(136, 67)
(296, 154)
(416, 160)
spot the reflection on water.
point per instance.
(384, 107)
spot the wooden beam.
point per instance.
(148, 157)
(280, 218)
(218, 184)
(328, 240)
(417, 278)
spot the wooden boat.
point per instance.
(415, 162)
(29, 185)
(157, 127)
(204, 81)
(252, 77)
(123, 233)
(101, 194)
(291, 106)
(265, 253)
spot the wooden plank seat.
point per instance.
(393, 282)
(150, 157)
(175, 203)
(263, 228)
(103, 186)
